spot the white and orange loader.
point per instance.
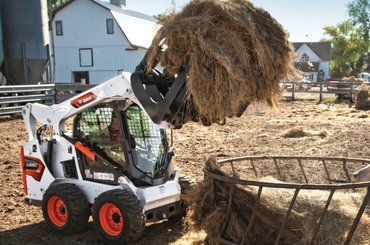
(114, 164)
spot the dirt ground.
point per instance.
(258, 132)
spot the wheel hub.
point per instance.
(116, 218)
(111, 219)
(57, 211)
(62, 210)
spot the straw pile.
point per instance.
(271, 210)
(362, 98)
(299, 132)
(234, 52)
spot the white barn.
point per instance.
(94, 41)
(313, 59)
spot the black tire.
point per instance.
(186, 184)
(118, 217)
(65, 209)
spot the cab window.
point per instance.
(99, 129)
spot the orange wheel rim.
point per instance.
(111, 219)
(57, 211)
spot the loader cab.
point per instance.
(125, 142)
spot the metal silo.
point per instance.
(25, 40)
(2, 78)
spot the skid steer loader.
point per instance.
(115, 164)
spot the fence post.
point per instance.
(293, 92)
(55, 93)
(351, 96)
(320, 99)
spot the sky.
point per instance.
(304, 20)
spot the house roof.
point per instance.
(322, 49)
(307, 66)
(138, 28)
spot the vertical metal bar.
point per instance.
(303, 172)
(365, 202)
(56, 93)
(231, 192)
(24, 62)
(254, 168)
(346, 170)
(253, 215)
(277, 168)
(320, 98)
(326, 171)
(321, 219)
(287, 215)
(47, 68)
(212, 191)
(351, 96)
(232, 167)
(47, 74)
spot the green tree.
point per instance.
(359, 13)
(350, 41)
(54, 5)
(347, 49)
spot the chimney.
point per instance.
(119, 3)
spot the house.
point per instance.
(313, 59)
(94, 41)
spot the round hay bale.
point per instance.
(362, 98)
(234, 52)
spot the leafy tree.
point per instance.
(350, 41)
(53, 5)
(359, 12)
(347, 58)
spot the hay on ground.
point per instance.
(273, 205)
(299, 132)
(235, 53)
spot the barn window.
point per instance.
(305, 57)
(59, 28)
(81, 77)
(86, 57)
(110, 29)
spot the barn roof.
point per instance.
(138, 28)
(321, 49)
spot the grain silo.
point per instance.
(25, 40)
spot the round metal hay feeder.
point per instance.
(298, 173)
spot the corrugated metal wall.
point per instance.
(26, 39)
